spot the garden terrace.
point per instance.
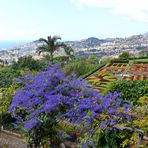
(104, 76)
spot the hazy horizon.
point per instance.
(11, 43)
(5, 44)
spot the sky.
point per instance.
(72, 19)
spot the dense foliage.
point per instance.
(125, 55)
(141, 111)
(50, 96)
(6, 95)
(120, 135)
(47, 99)
(27, 63)
(7, 75)
(82, 66)
(143, 54)
(130, 90)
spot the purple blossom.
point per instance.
(30, 124)
(113, 122)
(88, 143)
(51, 94)
(104, 123)
(126, 106)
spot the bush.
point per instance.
(130, 90)
(6, 95)
(107, 60)
(7, 75)
(77, 66)
(125, 55)
(81, 66)
(29, 63)
(62, 59)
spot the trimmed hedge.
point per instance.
(119, 61)
(138, 58)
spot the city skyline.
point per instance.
(72, 19)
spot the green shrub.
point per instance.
(81, 66)
(6, 95)
(124, 55)
(107, 60)
(7, 75)
(27, 62)
(130, 90)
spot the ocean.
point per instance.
(10, 44)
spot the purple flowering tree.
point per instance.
(43, 100)
(108, 110)
(50, 95)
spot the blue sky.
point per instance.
(72, 19)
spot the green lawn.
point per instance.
(141, 60)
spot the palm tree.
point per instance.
(50, 45)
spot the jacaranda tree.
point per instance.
(51, 96)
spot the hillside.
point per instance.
(85, 47)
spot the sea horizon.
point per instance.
(11, 44)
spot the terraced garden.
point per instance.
(103, 77)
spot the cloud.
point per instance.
(129, 9)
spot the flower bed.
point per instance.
(104, 76)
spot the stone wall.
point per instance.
(11, 140)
